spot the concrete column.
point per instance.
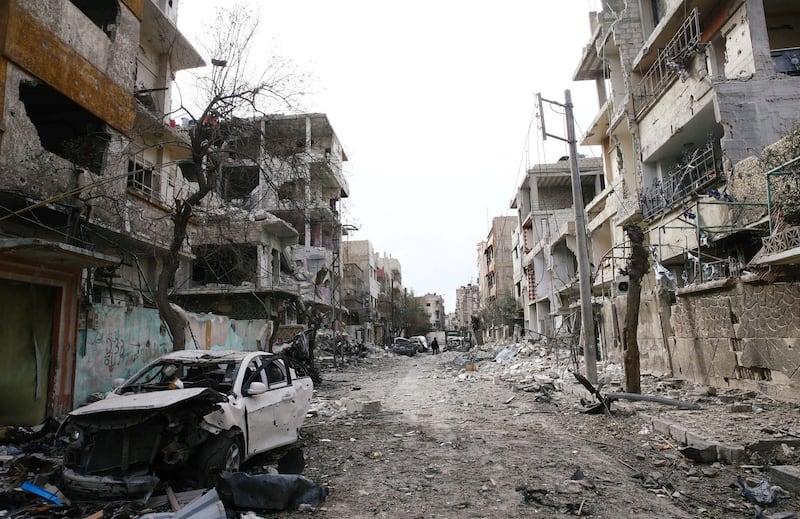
(759, 38)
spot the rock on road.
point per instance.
(445, 448)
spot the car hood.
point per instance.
(150, 401)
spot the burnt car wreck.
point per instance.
(184, 418)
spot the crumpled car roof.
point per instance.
(210, 355)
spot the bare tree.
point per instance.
(230, 89)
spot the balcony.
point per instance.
(693, 173)
(782, 247)
(670, 63)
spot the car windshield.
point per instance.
(170, 374)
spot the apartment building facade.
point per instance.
(467, 307)
(495, 269)
(87, 167)
(390, 281)
(546, 283)
(689, 92)
(360, 288)
(279, 237)
(434, 307)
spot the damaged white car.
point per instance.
(188, 415)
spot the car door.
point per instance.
(283, 415)
(261, 429)
(266, 412)
(303, 389)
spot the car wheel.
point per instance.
(220, 453)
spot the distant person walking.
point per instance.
(434, 346)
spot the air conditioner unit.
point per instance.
(621, 284)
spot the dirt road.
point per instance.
(443, 448)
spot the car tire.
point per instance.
(221, 453)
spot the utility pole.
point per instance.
(584, 272)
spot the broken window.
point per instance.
(225, 264)
(238, 182)
(143, 177)
(103, 13)
(783, 30)
(64, 127)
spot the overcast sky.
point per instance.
(432, 101)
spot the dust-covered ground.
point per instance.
(444, 445)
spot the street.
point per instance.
(440, 447)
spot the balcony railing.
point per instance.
(671, 62)
(782, 241)
(147, 182)
(695, 172)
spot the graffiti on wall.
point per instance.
(118, 341)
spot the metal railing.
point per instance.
(696, 171)
(147, 182)
(671, 61)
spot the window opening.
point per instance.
(65, 128)
(103, 13)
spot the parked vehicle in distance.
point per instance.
(421, 341)
(189, 414)
(403, 346)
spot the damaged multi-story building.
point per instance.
(283, 177)
(433, 304)
(88, 162)
(689, 92)
(390, 296)
(495, 273)
(545, 248)
(91, 164)
(360, 289)
(467, 307)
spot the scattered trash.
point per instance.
(269, 491)
(761, 494)
(41, 492)
(207, 506)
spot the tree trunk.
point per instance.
(276, 324)
(637, 267)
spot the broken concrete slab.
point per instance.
(730, 454)
(768, 445)
(787, 476)
(707, 454)
(740, 408)
(353, 406)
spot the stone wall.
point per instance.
(739, 335)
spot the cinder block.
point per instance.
(787, 476)
(678, 433)
(695, 440)
(661, 426)
(730, 454)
